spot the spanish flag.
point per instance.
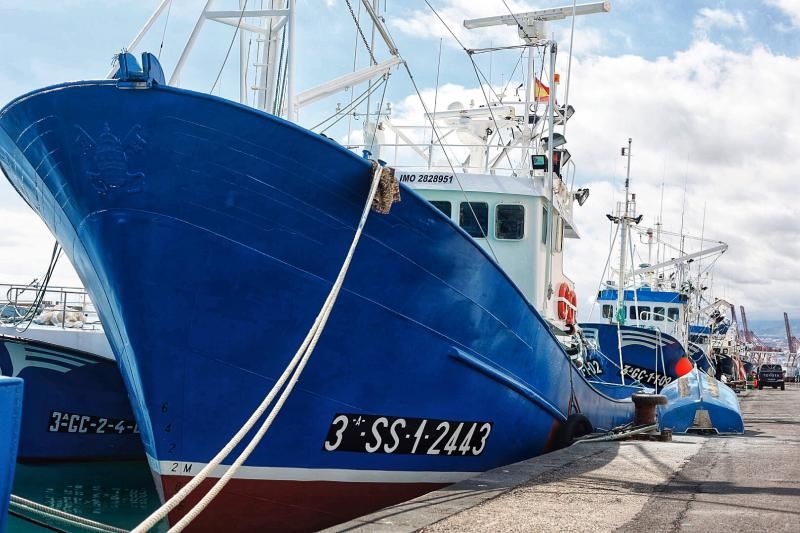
(541, 93)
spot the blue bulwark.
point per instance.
(696, 329)
(643, 295)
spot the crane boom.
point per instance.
(748, 335)
(793, 342)
(720, 248)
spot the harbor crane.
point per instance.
(762, 350)
(794, 344)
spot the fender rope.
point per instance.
(295, 368)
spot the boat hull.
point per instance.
(699, 403)
(208, 235)
(76, 405)
(11, 391)
(648, 356)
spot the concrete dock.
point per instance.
(722, 483)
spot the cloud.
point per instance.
(708, 18)
(692, 119)
(27, 249)
(424, 24)
(695, 122)
(791, 8)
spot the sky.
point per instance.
(706, 90)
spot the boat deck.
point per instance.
(730, 483)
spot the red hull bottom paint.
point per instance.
(267, 505)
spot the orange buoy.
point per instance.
(683, 366)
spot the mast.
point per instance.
(624, 221)
(548, 279)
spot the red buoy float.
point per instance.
(683, 366)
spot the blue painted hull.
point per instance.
(76, 405)
(11, 391)
(648, 356)
(701, 358)
(208, 236)
(698, 402)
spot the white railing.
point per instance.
(19, 306)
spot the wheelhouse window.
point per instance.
(659, 313)
(643, 312)
(474, 218)
(444, 207)
(608, 311)
(509, 222)
(673, 313)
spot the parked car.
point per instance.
(771, 375)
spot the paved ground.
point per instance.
(704, 484)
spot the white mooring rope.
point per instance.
(295, 368)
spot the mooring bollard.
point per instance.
(645, 413)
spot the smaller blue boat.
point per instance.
(648, 356)
(698, 403)
(10, 415)
(76, 406)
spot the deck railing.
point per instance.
(18, 305)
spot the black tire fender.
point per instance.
(576, 425)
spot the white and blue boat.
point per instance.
(11, 390)
(699, 403)
(76, 405)
(447, 353)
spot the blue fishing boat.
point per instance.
(10, 413)
(699, 403)
(645, 335)
(648, 356)
(76, 405)
(445, 354)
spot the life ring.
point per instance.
(573, 300)
(563, 298)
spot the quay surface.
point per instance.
(721, 483)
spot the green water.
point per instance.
(121, 493)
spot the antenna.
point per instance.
(532, 24)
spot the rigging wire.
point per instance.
(33, 310)
(449, 162)
(230, 46)
(478, 76)
(360, 31)
(436, 94)
(605, 269)
(346, 111)
(164, 32)
(513, 71)
(355, 62)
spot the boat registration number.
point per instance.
(61, 422)
(416, 436)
